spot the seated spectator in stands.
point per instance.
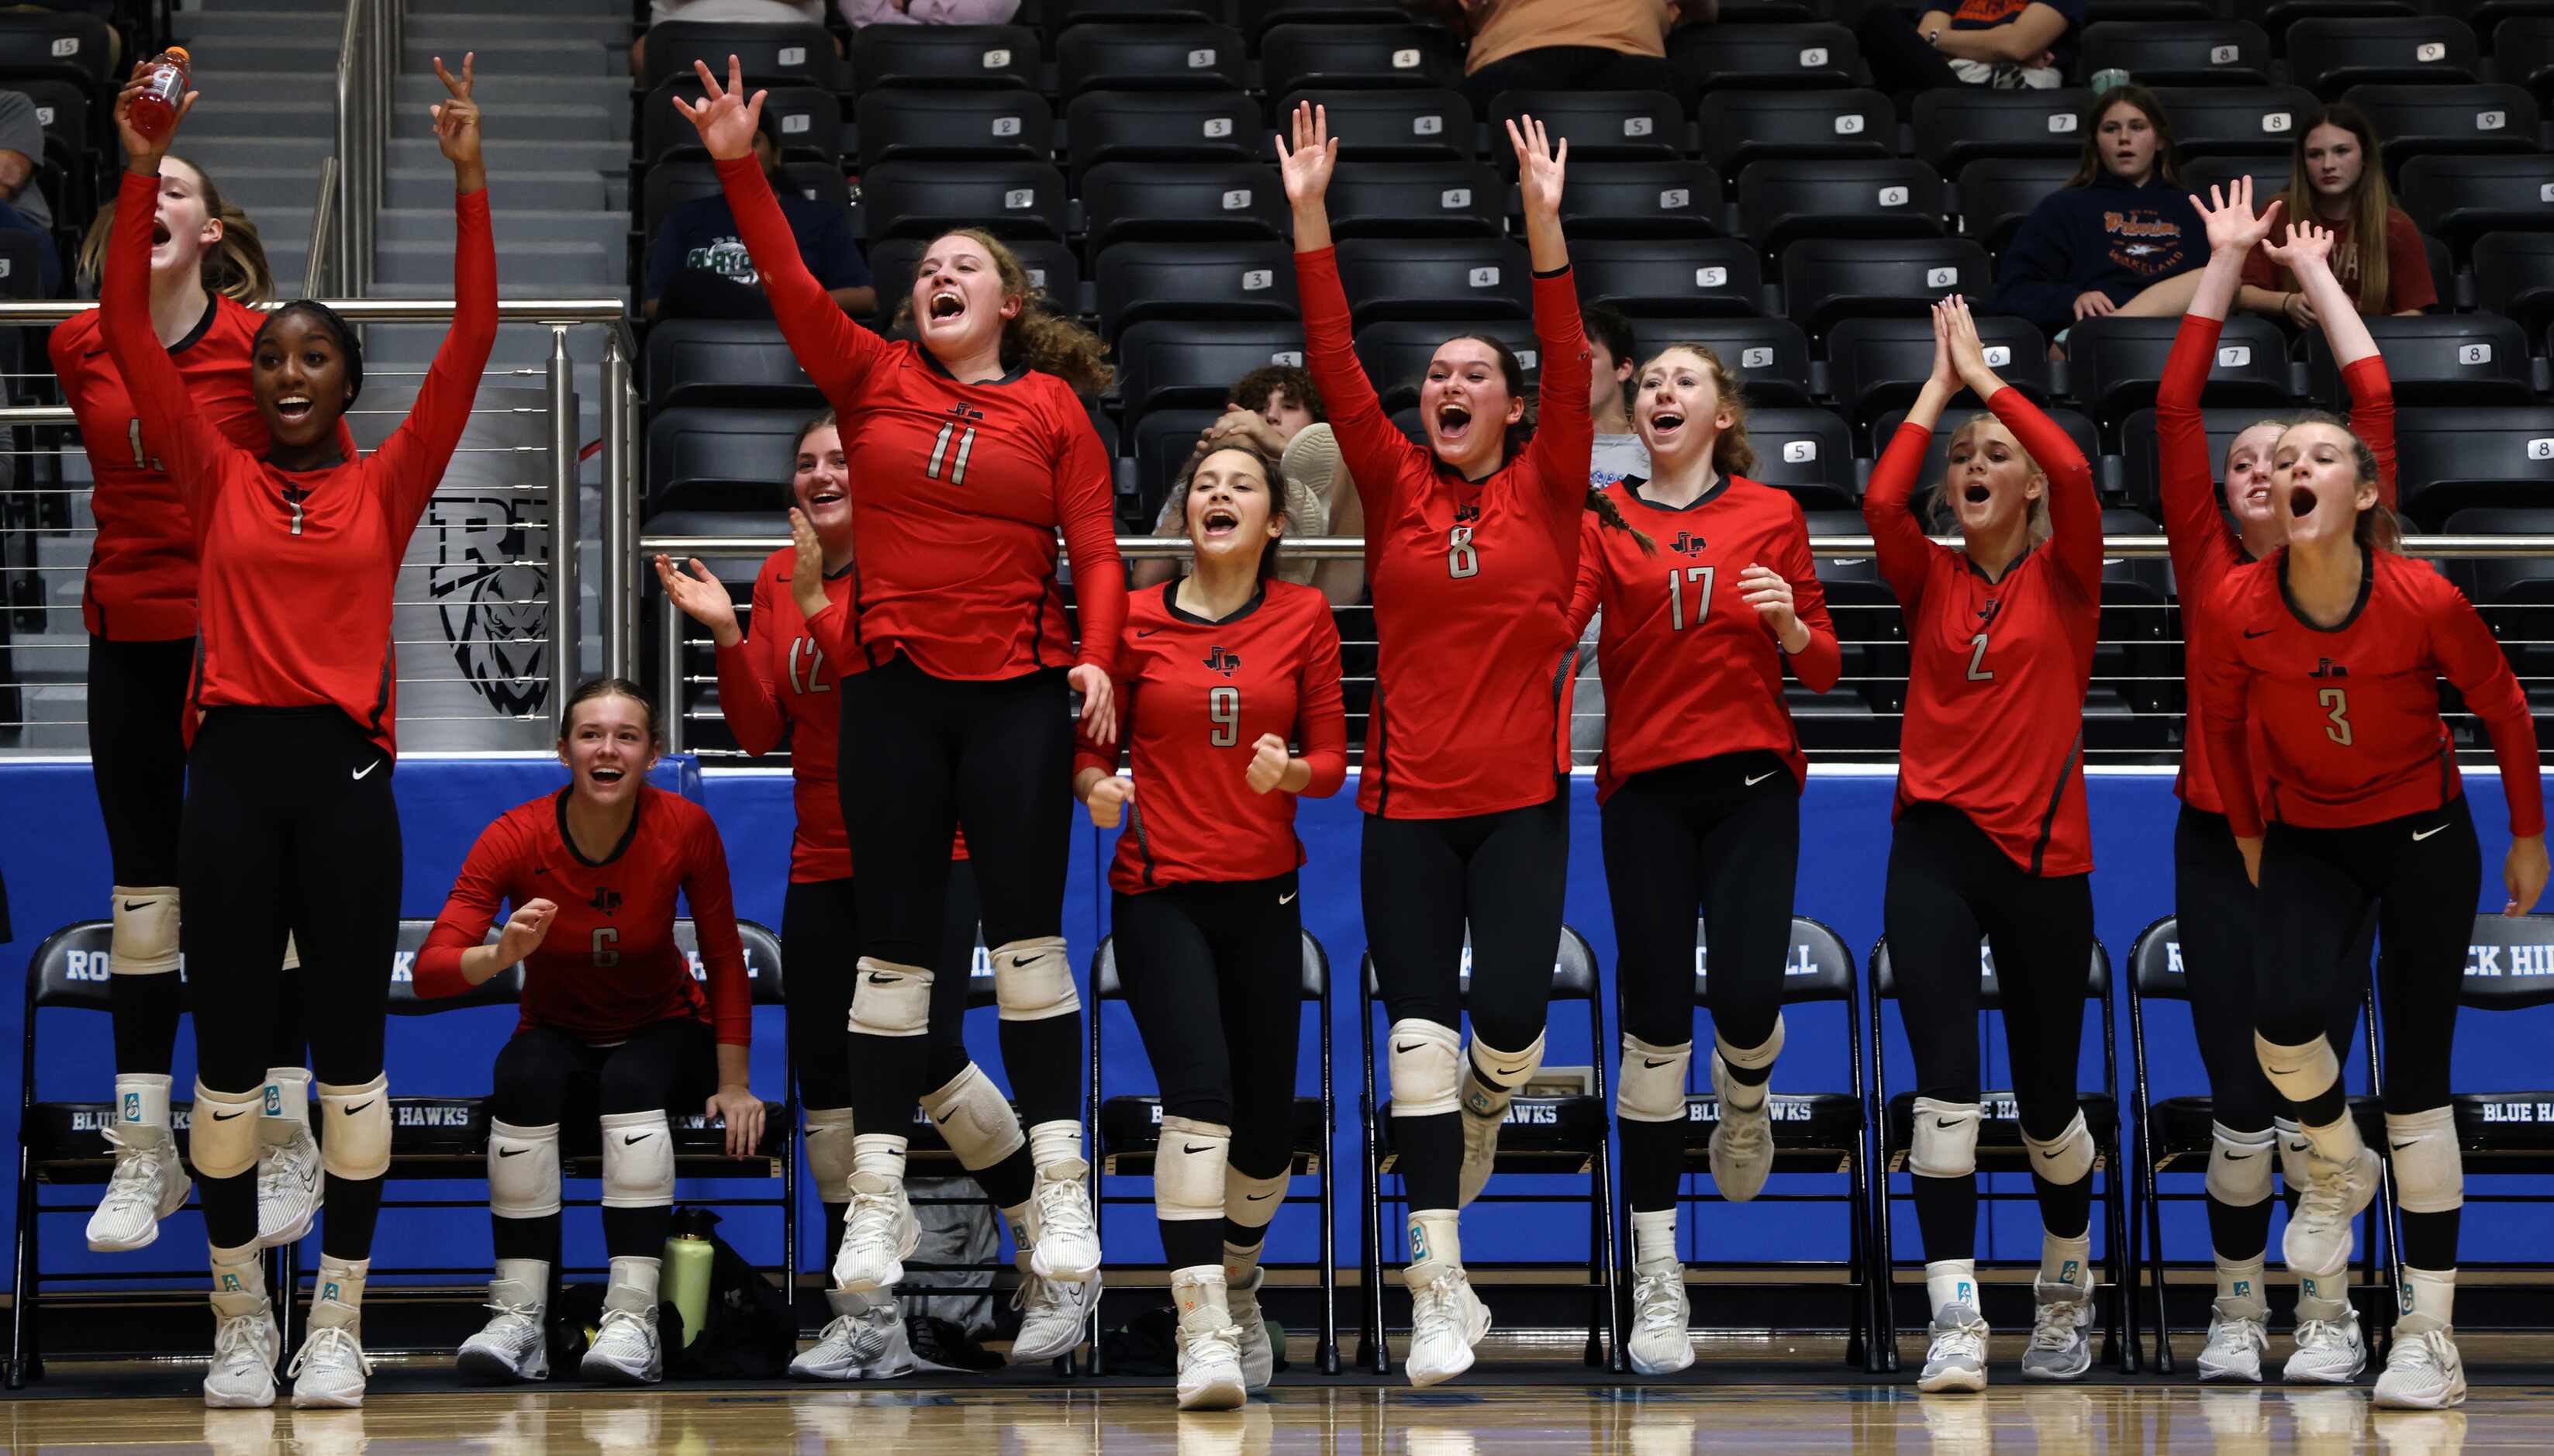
(726, 12)
(22, 156)
(697, 266)
(2338, 179)
(1276, 409)
(1566, 44)
(2009, 45)
(2118, 237)
(929, 12)
(48, 259)
(1612, 358)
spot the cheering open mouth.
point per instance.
(947, 304)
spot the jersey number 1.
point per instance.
(1676, 596)
(940, 449)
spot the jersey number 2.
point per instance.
(1676, 596)
(1979, 672)
(605, 938)
(1224, 710)
(940, 450)
(2336, 705)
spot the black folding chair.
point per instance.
(2001, 1149)
(2510, 966)
(1130, 1131)
(1543, 1134)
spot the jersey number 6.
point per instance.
(1224, 710)
(605, 938)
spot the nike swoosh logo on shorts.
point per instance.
(368, 768)
(1289, 897)
(2420, 834)
(1760, 778)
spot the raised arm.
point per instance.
(1375, 452)
(2202, 549)
(2074, 503)
(835, 353)
(412, 459)
(1903, 551)
(1564, 431)
(2307, 254)
(192, 448)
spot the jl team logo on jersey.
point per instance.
(605, 900)
(1224, 662)
(1687, 544)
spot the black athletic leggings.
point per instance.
(1424, 880)
(545, 1076)
(1574, 68)
(1214, 974)
(1724, 834)
(288, 808)
(819, 922)
(1949, 884)
(137, 745)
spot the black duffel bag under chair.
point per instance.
(747, 1329)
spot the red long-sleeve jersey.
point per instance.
(1471, 578)
(2348, 717)
(1997, 670)
(141, 580)
(777, 687)
(599, 974)
(958, 490)
(2205, 548)
(1195, 696)
(298, 565)
(1691, 670)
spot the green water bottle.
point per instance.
(688, 1256)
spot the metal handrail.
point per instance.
(615, 311)
(316, 280)
(354, 141)
(1348, 548)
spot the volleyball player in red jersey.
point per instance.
(613, 1023)
(966, 452)
(1220, 670)
(777, 687)
(138, 603)
(289, 720)
(2212, 898)
(1471, 550)
(1991, 832)
(2332, 651)
(1699, 788)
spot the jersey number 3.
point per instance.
(2336, 705)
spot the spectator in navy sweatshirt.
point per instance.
(2118, 237)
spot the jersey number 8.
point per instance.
(1460, 559)
(1224, 710)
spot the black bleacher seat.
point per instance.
(1064, 15)
(2513, 276)
(22, 263)
(1259, 16)
(2460, 199)
(717, 361)
(1670, 277)
(787, 55)
(922, 200)
(945, 55)
(2269, 174)
(2487, 17)
(675, 182)
(1828, 278)
(1807, 452)
(1396, 352)
(2180, 53)
(1163, 441)
(2493, 577)
(1640, 199)
(1719, 56)
(2434, 359)
(1161, 126)
(1738, 127)
(66, 48)
(1436, 278)
(1957, 125)
(2453, 459)
(1770, 356)
(2522, 53)
(1408, 199)
(1154, 56)
(1188, 364)
(2331, 55)
(1995, 201)
(1863, 198)
(2417, 121)
(1877, 363)
(1600, 125)
(1054, 269)
(720, 458)
(1395, 124)
(2239, 121)
(908, 123)
(1232, 280)
(2275, 16)
(2114, 364)
(1296, 58)
(61, 109)
(811, 122)
(1124, 201)
(2140, 470)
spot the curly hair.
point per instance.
(1286, 381)
(1037, 336)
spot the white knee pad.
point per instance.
(2295, 1153)
(2066, 1157)
(1502, 1072)
(1427, 1067)
(1188, 1168)
(221, 1140)
(356, 1141)
(1753, 1059)
(523, 1169)
(1033, 980)
(2299, 1074)
(2429, 1170)
(2240, 1166)
(979, 1126)
(1250, 1202)
(890, 1000)
(144, 941)
(1651, 1085)
(829, 1153)
(1945, 1144)
(637, 1160)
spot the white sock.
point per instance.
(236, 1272)
(1654, 1237)
(638, 1272)
(1949, 1282)
(287, 1113)
(2239, 1287)
(534, 1275)
(342, 1280)
(1051, 1143)
(881, 1153)
(2429, 1292)
(2066, 1261)
(1435, 1237)
(2326, 1299)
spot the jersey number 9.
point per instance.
(1224, 710)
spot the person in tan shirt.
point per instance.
(1569, 45)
